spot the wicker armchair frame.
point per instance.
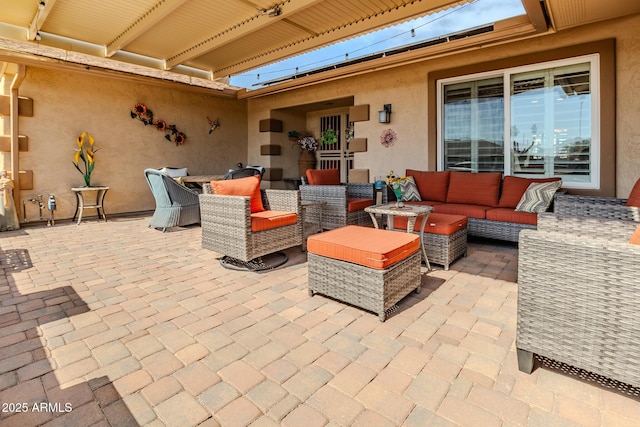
(226, 224)
(600, 207)
(335, 213)
(578, 296)
(176, 205)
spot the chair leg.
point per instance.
(525, 361)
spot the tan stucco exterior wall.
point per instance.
(66, 104)
(406, 89)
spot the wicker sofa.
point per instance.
(578, 295)
(485, 198)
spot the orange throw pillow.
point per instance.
(474, 188)
(323, 176)
(634, 197)
(249, 186)
(432, 186)
(635, 237)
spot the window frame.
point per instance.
(594, 60)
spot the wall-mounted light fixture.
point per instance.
(384, 116)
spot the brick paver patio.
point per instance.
(117, 324)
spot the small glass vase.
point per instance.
(398, 192)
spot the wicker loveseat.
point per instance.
(578, 296)
(485, 198)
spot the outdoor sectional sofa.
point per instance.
(485, 198)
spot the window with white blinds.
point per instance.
(547, 114)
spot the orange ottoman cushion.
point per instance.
(436, 223)
(369, 247)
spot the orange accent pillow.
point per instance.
(474, 188)
(323, 176)
(249, 186)
(432, 186)
(634, 197)
(635, 237)
(513, 188)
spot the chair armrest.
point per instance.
(334, 195)
(592, 228)
(591, 200)
(282, 200)
(358, 190)
(225, 211)
(601, 207)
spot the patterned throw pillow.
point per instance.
(538, 197)
(410, 191)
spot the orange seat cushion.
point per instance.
(474, 188)
(635, 237)
(513, 187)
(471, 211)
(634, 196)
(436, 223)
(249, 186)
(431, 185)
(370, 247)
(266, 220)
(509, 215)
(323, 176)
(358, 204)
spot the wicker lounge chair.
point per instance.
(176, 205)
(337, 213)
(578, 296)
(244, 172)
(226, 224)
(601, 207)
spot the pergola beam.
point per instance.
(238, 31)
(159, 11)
(39, 18)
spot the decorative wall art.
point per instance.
(145, 115)
(213, 124)
(388, 137)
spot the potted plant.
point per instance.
(86, 153)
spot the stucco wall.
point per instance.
(66, 104)
(406, 89)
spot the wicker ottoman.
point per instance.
(365, 267)
(445, 237)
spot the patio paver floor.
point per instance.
(118, 324)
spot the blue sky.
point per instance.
(471, 15)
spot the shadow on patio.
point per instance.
(33, 392)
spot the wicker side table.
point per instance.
(412, 212)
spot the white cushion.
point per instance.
(175, 172)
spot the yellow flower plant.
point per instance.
(86, 153)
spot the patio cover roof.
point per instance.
(201, 42)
